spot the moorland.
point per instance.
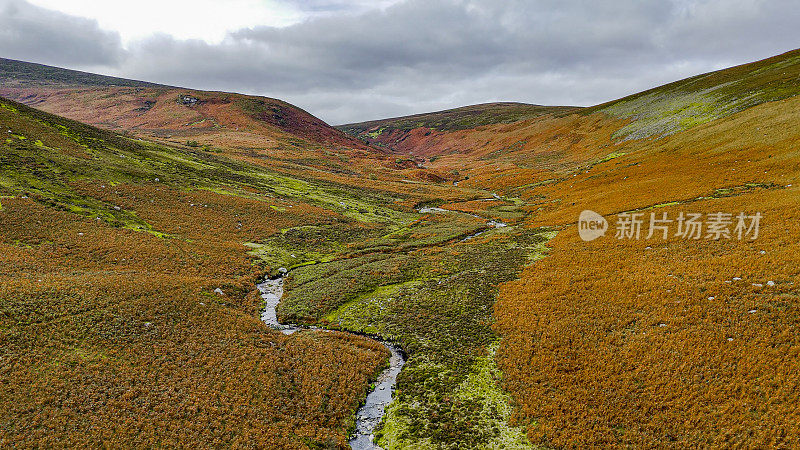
(137, 219)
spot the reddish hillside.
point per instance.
(419, 133)
(216, 118)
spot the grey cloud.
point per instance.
(340, 6)
(36, 34)
(351, 61)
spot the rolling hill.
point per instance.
(244, 127)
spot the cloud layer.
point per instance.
(31, 33)
(348, 62)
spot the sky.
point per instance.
(353, 60)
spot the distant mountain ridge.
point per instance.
(400, 134)
(464, 117)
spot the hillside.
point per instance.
(401, 134)
(241, 126)
(111, 328)
(26, 75)
(569, 138)
(703, 98)
(462, 118)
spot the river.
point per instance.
(370, 414)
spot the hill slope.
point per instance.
(233, 123)
(112, 330)
(700, 99)
(400, 134)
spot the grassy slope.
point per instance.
(703, 98)
(674, 343)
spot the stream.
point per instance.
(489, 223)
(370, 414)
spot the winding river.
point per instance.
(370, 414)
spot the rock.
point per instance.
(283, 270)
(737, 278)
(218, 291)
(189, 100)
(770, 283)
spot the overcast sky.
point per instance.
(353, 60)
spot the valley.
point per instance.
(138, 219)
